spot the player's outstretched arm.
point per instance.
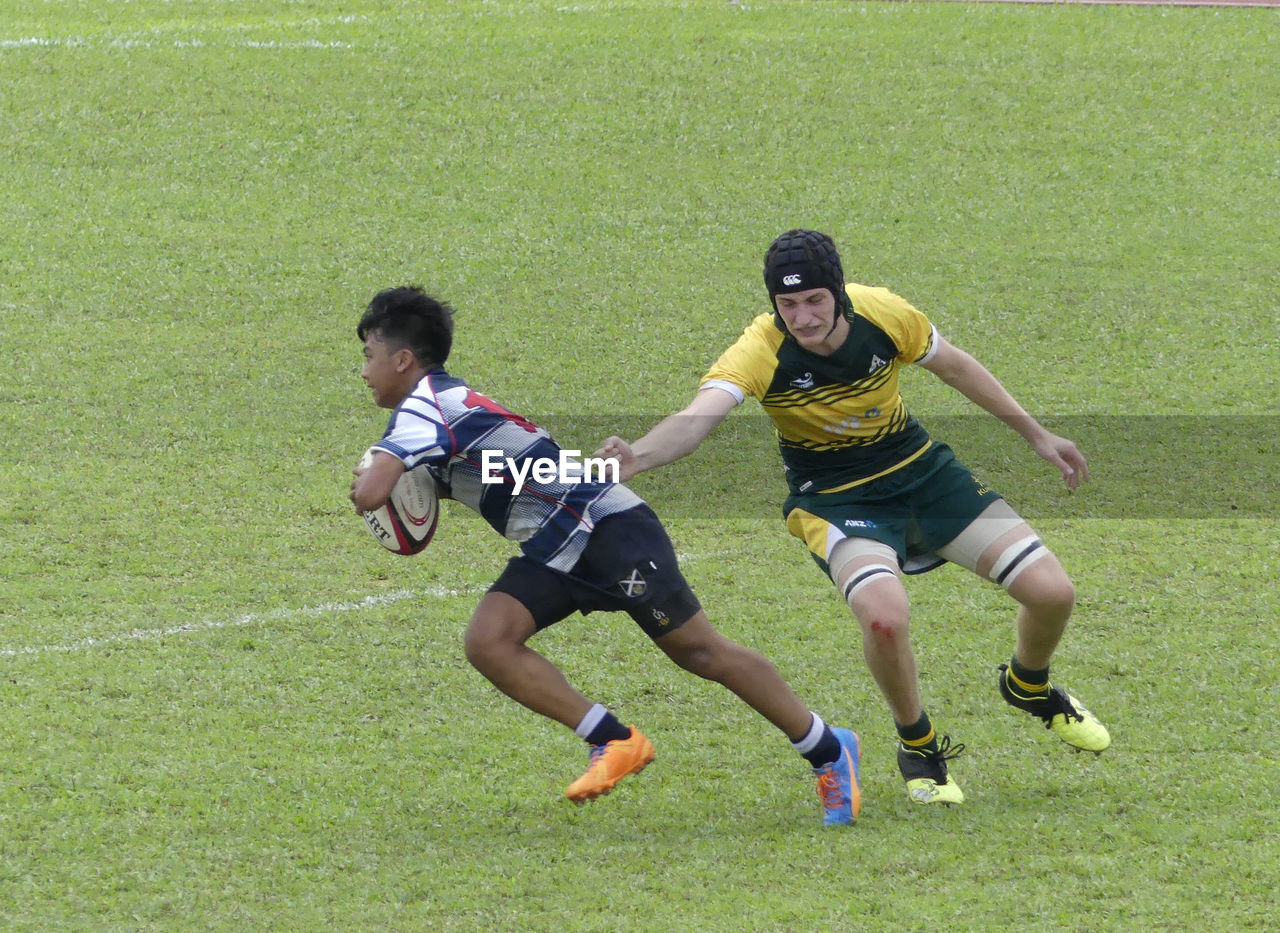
(671, 438)
(971, 379)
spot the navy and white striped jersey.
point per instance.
(465, 437)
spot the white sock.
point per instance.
(590, 721)
(811, 739)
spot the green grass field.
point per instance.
(224, 708)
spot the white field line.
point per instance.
(140, 40)
(81, 43)
(255, 618)
(248, 619)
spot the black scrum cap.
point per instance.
(799, 260)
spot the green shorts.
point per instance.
(915, 510)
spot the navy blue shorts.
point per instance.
(628, 566)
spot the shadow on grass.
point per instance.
(1153, 466)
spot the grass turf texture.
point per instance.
(226, 708)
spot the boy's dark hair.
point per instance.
(408, 317)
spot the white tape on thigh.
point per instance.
(996, 520)
(1016, 558)
(849, 549)
(864, 575)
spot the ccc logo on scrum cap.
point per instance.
(792, 279)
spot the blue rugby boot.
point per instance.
(838, 782)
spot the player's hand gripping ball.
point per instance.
(407, 523)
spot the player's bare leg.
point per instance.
(495, 644)
(1046, 598)
(700, 649)
(834, 753)
(882, 609)
(496, 647)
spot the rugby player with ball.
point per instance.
(587, 544)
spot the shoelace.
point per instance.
(1061, 704)
(829, 790)
(934, 762)
(1056, 701)
(946, 751)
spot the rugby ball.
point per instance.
(406, 524)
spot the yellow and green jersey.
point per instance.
(840, 419)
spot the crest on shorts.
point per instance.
(633, 585)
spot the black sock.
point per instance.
(826, 751)
(608, 729)
(919, 735)
(1028, 682)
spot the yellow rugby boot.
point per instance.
(1061, 713)
(926, 773)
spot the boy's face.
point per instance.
(813, 319)
(389, 373)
